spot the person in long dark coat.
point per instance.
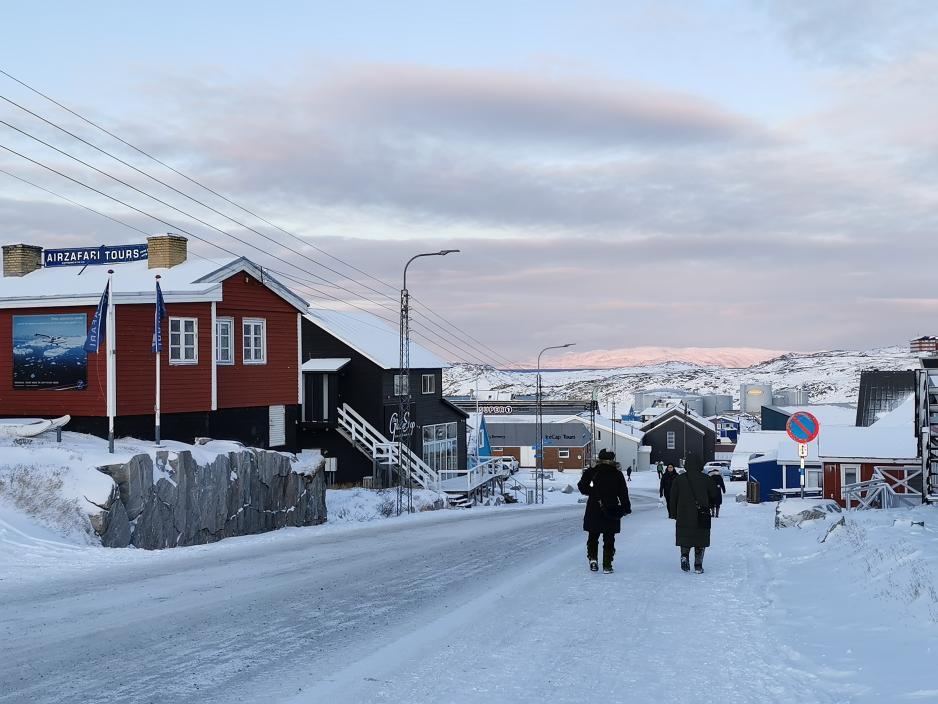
(664, 489)
(608, 501)
(691, 490)
(717, 479)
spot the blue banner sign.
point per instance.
(87, 256)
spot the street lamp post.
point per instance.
(684, 441)
(404, 427)
(539, 425)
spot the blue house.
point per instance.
(727, 429)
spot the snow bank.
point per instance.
(361, 505)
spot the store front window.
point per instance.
(440, 448)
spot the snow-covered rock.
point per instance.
(794, 512)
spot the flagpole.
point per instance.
(156, 343)
(110, 352)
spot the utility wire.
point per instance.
(194, 217)
(231, 202)
(305, 285)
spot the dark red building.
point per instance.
(230, 366)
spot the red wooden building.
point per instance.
(231, 346)
(873, 467)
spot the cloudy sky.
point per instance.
(751, 174)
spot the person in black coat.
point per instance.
(692, 494)
(608, 501)
(664, 490)
(721, 485)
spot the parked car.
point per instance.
(739, 475)
(722, 465)
(510, 463)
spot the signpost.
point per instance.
(88, 256)
(803, 428)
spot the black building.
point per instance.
(349, 369)
(665, 435)
(881, 392)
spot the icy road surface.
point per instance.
(481, 606)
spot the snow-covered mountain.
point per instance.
(635, 356)
(829, 377)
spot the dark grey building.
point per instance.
(667, 433)
(881, 392)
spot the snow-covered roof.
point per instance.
(132, 282)
(759, 442)
(624, 430)
(372, 337)
(679, 411)
(827, 415)
(194, 280)
(873, 443)
(329, 364)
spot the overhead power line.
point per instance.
(305, 285)
(472, 341)
(124, 183)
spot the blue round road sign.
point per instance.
(803, 427)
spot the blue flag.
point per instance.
(158, 320)
(98, 323)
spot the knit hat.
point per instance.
(607, 455)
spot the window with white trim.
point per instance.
(428, 383)
(672, 440)
(851, 473)
(183, 341)
(563, 454)
(224, 351)
(814, 479)
(255, 340)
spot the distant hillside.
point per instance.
(830, 377)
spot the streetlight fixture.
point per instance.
(539, 474)
(404, 426)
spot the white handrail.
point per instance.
(380, 447)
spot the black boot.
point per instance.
(698, 560)
(685, 559)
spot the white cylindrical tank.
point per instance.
(752, 397)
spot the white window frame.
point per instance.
(563, 454)
(671, 439)
(180, 349)
(843, 473)
(399, 381)
(245, 322)
(231, 353)
(425, 387)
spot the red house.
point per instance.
(873, 467)
(230, 366)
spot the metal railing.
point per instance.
(383, 451)
(487, 469)
(880, 491)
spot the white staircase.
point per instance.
(366, 438)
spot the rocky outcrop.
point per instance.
(239, 493)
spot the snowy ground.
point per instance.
(487, 605)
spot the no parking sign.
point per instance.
(803, 427)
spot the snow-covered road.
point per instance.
(488, 605)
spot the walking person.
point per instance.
(717, 479)
(608, 502)
(660, 469)
(692, 494)
(664, 488)
(628, 473)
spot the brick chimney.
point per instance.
(166, 251)
(21, 259)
